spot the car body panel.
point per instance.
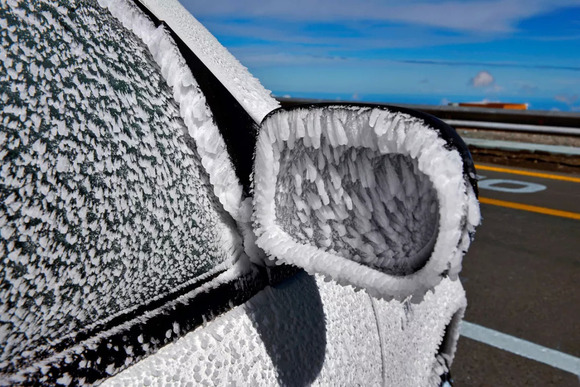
(309, 331)
(239, 322)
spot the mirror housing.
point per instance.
(377, 197)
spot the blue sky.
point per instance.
(426, 51)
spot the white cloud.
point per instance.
(482, 79)
(483, 16)
(567, 99)
(525, 87)
(359, 36)
(263, 57)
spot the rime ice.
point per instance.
(364, 195)
(193, 109)
(117, 190)
(247, 89)
(104, 202)
(243, 345)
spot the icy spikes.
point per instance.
(371, 196)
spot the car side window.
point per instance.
(105, 207)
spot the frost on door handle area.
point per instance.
(367, 196)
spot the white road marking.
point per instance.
(520, 186)
(521, 347)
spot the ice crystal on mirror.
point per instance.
(378, 209)
(367, 196)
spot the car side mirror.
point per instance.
(375, 197)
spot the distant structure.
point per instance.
(493, 105)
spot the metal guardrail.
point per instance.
(535, 121)
(514, 127)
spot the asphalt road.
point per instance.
(522, 278)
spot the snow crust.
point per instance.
(245, 88)
(364, 195)
(365, 341)
(105, 204)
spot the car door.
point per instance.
(128, 248)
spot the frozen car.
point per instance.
(163, 221)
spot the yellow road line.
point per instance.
(526, 173)
(526, 207)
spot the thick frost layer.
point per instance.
(192, 103)
(104, 206)
(419, 340)
(367, 196)
(125, 344)
(256, 100)
(312, 332)
(378, 209)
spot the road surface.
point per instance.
(522, 278)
